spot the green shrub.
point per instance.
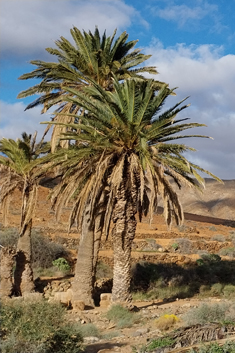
(161, 342)
(88, 330)
(38, 327)
(213, 228)
(121, 316)
(227, 252)
(229, 291)
(207, 313)
(217, 289)
(228, 347)
(218, 237)
(61, 264)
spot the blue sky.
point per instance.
(192, 45)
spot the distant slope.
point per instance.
(217, 200)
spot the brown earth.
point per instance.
(208, 216)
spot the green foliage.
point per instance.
(61, 264)
(229, 291)
(37, 326)
(88, 330)
(217, 289)
(228, 347)
(228, 252)
(121, 316)
(175, 246)
(160, 343)
(221, 312)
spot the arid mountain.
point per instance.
(216, 200)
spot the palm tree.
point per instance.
(91, 56)
(20, 160)
(97, 57)
(125, 148)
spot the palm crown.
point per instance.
(20, 164)
(91, 56)
(125, 140)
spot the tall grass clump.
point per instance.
(37, 327)
(121, 316)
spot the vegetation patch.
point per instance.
(121, 316)
(166, 322)
(38, 327)
(221, 312)
(228, 347)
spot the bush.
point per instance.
(61, 264)
(166, 322)
(227, 252)
(228, 347)
(121, 316)
(209, 313)
(38, 327)
(184, 246)
(218, 237)
(229, 291)
(43, 250)
(9, 237)
(216, 289)
(161, 342)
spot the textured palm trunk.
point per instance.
(82, 285)
(23, 275)
(7, 263)
(123, 235)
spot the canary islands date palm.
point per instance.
(97, 57)
(20, 166)
(92, 55)
(126, 147)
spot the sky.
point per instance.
(192, 44)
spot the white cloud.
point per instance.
(188, 14)
(14, 120)
(27, 27)
(208, 77)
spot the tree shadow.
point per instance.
(153, 277)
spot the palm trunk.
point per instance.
(82, 285)
(7, 262)
(23, 276)
(123, 235)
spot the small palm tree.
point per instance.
(20, 162)
(125, 148)
(92, 56)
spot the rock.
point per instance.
(105, 296)
(105, 300)
(112, 350)
(64, 297)
(142, 331)
(78, 305)
(91, 339)
(32, 296)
